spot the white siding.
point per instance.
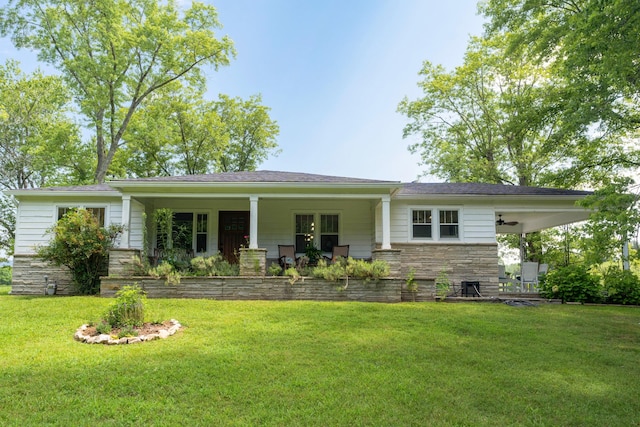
(477, 224)
(35, 217)
(136, 225)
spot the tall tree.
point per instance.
(179, 133)
(251, 132)
(39, 144)
(593, 46)
(499, 116)
(115, 53)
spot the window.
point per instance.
(188, 229)
(201, 232)
(421, 224)
(328, 232)
(306, 232)
(305, 228)
(448, 224)
(435, 224)
(99, 213)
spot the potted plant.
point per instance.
(312, 253)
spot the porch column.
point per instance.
(253, 222)
(386, 222)
(126, 219)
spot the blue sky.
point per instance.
(333, 73)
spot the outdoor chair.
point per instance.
(543, 269)
(287, 256)
(338, 251)
(529, 278)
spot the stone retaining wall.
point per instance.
(29, 276)
(273, 288)
(469, 262)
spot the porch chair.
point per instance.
(543, 269)
(338, 251)
(529, 278)
(287, 256)
(505, 283)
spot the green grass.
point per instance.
(324, 364)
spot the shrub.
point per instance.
(5, 275)
(82, 245)
(274, 269)
(572, 283)
(351, 268)
(128, 309)
(214, 265)
(166, 270)
(621, 286)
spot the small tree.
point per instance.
(82, 245)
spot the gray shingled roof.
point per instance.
(257, 177)
(472, 188)
(82, 188)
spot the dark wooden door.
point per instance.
(233, 232)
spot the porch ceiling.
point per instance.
(535, 220)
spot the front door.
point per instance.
(233, 232)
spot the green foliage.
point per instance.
(292, 274)
(214, 265)
(615, 219)
(621, 286)
(313, 253)
(5, 275)
(274, 269)
(345, 268)
(82, 245)
(116, 54)
(410, 281)
(127, 331)
(163, 222)
(128, 309)
(443, 284)
(572, 283)
(103, 327)
(591, 46)
(168, 271)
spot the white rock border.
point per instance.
(109, 340)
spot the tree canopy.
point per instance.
(179, 133)
(115, 53)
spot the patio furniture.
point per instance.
(529, 277)
(287, 256)
(338, 251)
(543, 269)
(506, 283)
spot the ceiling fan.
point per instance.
(500, 221)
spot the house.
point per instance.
(427, 227)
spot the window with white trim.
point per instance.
(324, 237)
(97, 212)
(421, 226)
(449, 225)
(189, 231)
(434, 224)
(305, 230)
(328, 232)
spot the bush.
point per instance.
(572, 283)
(82, 245)
(351, 268)
(213, 266)
(5, 275)
(621, 286)
(128, 309)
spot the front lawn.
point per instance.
(338, 364)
